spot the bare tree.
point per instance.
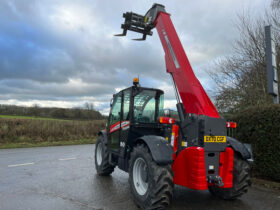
(89, 106)
(241, 77)
(275, 4)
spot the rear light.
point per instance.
(231, 124)
(166, 120)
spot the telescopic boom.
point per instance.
(194, 98)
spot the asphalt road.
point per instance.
(64, 178)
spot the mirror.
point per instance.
(167, 112)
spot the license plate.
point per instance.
(215, 139)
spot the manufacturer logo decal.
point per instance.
(124, 125)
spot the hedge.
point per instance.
(260, 126)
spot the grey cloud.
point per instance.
(42, 50)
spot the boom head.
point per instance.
(142, 24)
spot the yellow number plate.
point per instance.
(214, 139)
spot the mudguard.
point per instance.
(245, 150)
(104, 134)
(161, 150)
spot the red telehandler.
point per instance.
(158, 151)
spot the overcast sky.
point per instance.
(63, 53)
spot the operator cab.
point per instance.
(135, 112)
(137, 105)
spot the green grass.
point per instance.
(46, 143)
(29, 117)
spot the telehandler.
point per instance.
(159, 151)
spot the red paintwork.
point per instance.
(189, 169)
(193, 96)
(189, 164)
(226, 167)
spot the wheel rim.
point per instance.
(99, 154)
(140, 176)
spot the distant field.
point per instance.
(22, 131)
(27, 117)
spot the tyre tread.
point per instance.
(241, 181)
(105, 168)
(161, 193)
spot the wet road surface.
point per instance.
(64, 178)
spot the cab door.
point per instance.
(115, 123)
(125, 121)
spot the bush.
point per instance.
(260, 126)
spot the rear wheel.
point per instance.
(102, 165)
(241, 181)
(151, 185)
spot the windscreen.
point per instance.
(145, 106)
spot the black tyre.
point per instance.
(102, 165)
(241, 181)
(151, 185)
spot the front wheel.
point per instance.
(102, 165)
(151, 185)
(241, 181)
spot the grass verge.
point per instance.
(46, 143)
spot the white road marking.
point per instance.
(22, 164)
(72, 158)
